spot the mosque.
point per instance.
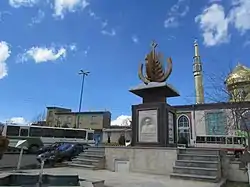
(208, 119)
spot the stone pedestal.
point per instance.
(154, 121)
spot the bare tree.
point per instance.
(234, 95)
(40, 117)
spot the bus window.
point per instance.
(58, 133)
(229, 140)
(47, 132)
(90, 136)
(70, 133)
(24, 132)
(34, 131)
(238, 140)
(13, 130)
(81, 134)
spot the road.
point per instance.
(11, 160)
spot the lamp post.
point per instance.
(83, 74)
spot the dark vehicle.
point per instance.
(64, 152)
(49, 148)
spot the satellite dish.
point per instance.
(21, 143)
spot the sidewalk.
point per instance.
(113, 179)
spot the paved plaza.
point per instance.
(114, 179)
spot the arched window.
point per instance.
(183, 127)
(183, 122)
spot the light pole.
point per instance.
(83, 74)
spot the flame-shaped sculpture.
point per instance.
(4, 142)
(154, 68)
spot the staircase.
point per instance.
(91, 158)
(197, 164)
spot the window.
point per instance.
(13, 130)
(70, 133)
(69, 119)
(183, 127)
(215, 123)
(58, 133)
(183, 122)
(34, 131)
(24, 132)
(245, 121)
(81, 134)
(47, 132)
(93, 120)
(90, 136)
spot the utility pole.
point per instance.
(83, 74)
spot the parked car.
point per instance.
(49, 148)
(64, 152)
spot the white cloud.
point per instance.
(38, 18)
(93, 15)
(214, 24)
(18, 121)
(20, 3)
(178, 10)
(3, 13)
(247, 43)
(109, 33)
(4, 55)
(45, 54)
(135, 39)
(63, 6)
(86, 51)
(104, 23)
(122, 120)
(240, 15)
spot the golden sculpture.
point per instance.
(154, 67)
(4, 142)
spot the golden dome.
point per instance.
(241, 74)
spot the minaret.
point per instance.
(198, 75)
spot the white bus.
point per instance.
(38, 136)
(231, 144)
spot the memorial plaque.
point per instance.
(170, 127)
(148, 130)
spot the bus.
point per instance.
(231, 144)
(39, 136)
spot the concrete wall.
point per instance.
(235, 174)
(143, 160)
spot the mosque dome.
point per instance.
(240, 74)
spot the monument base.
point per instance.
(154, 92)
(154, 125)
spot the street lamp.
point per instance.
(83, 74)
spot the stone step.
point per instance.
(196, 171)
(197, 163)
(197, 157)
(91, 156)
(82, 166)
(96, 148)
(92, 183)
(94, 152)
(194, 177)
(199, 151)
(86, 161)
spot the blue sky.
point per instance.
(45, 43)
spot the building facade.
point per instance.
(62, 117)
(210, 119)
